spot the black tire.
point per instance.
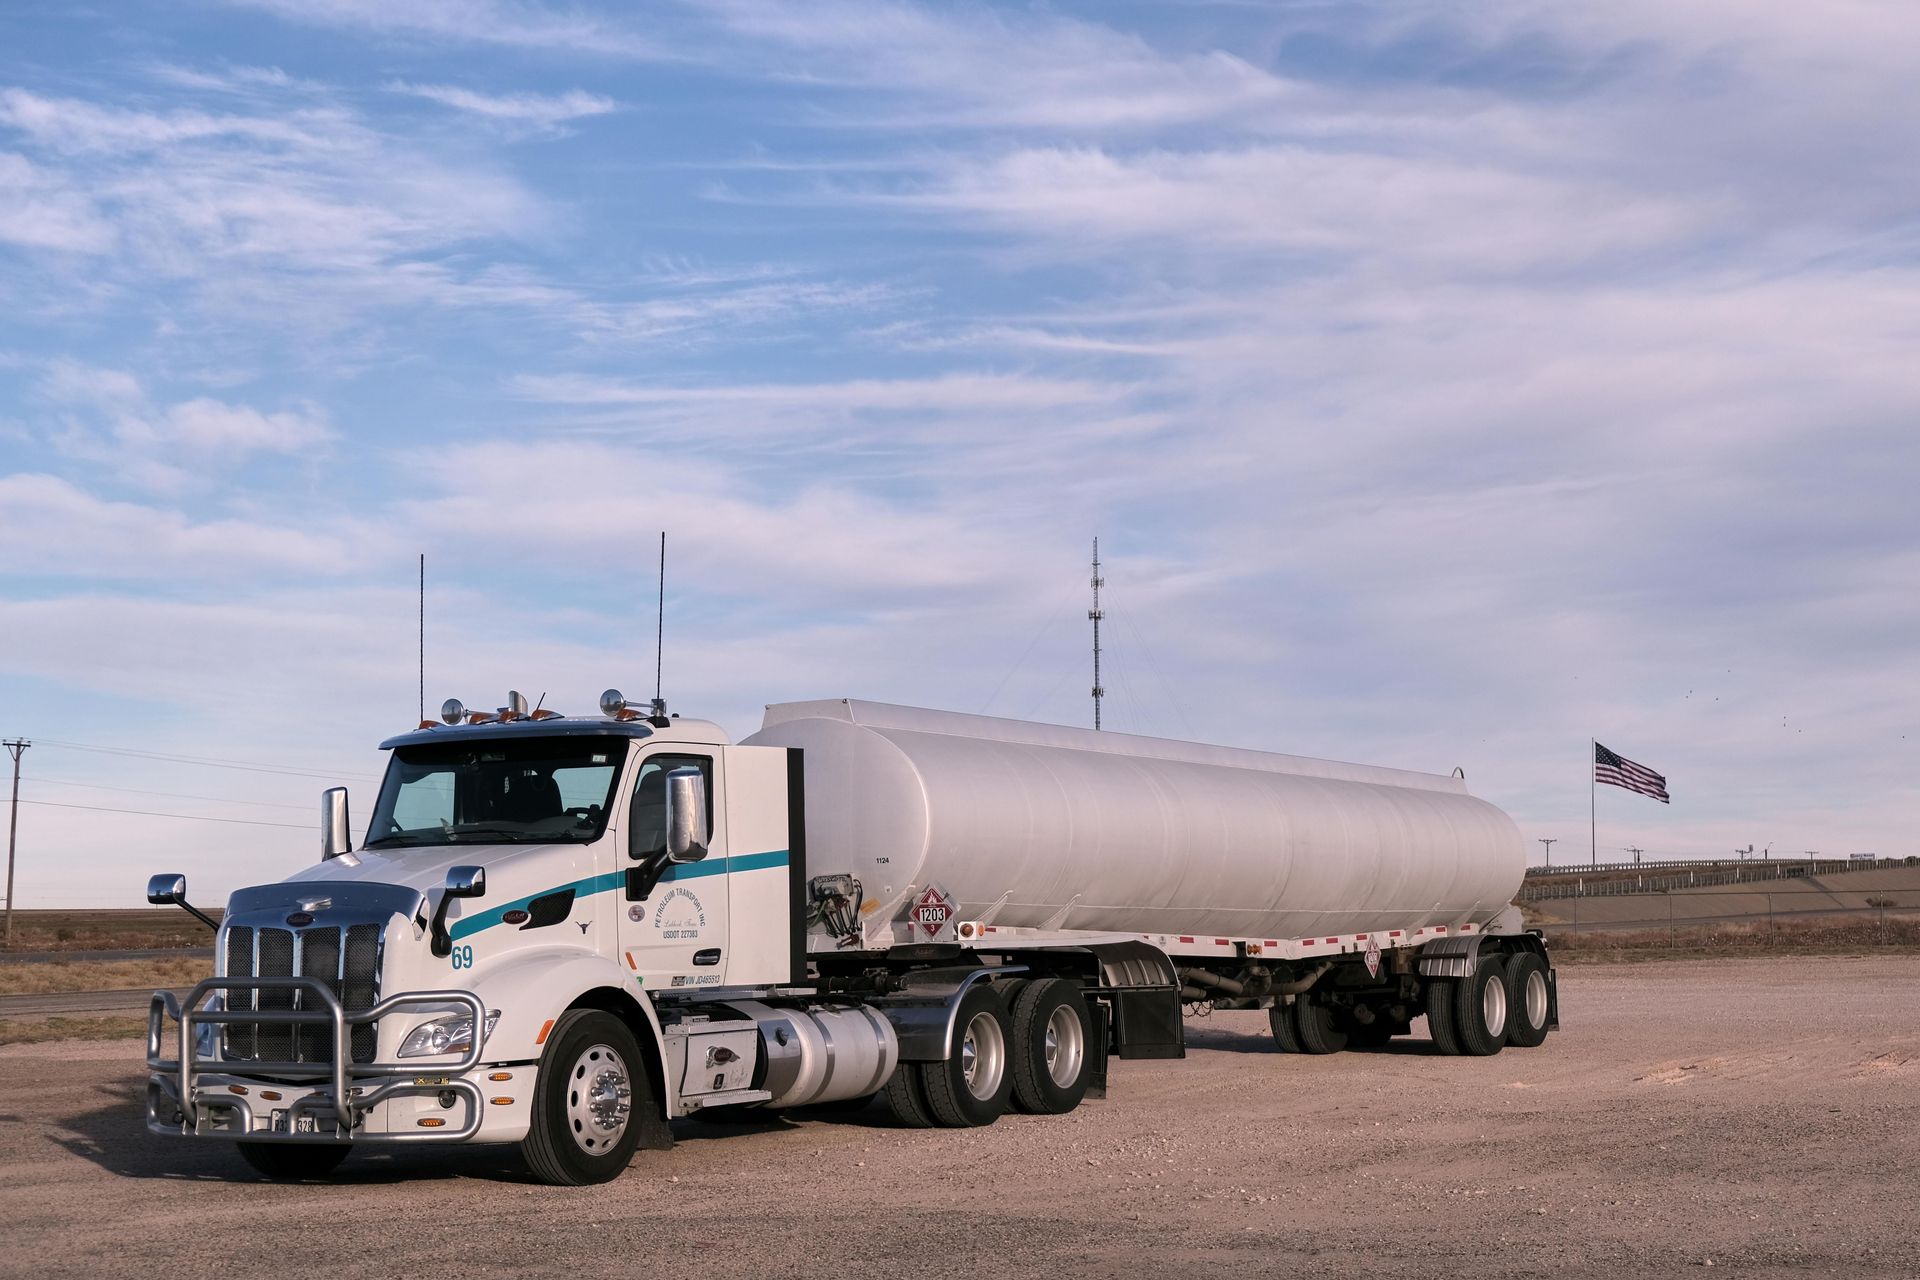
(1320, 1031)
(293, 1161)
(907, 1097)
(1528, 1000)
(1050, 1009)
(589, 1051)
(1481, 1007)
(960, 1102)
(1286, 1036)
(1440, 998)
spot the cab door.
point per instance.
(673, 919)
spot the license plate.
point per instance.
(305, 1122)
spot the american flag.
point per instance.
(1618, 771)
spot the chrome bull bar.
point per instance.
(346, 1103)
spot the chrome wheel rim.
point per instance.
(1536, 999)
(1066, 1046)
(599, 1099)
(1493, 1007)
(983, 1056)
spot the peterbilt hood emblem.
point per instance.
(300, 919)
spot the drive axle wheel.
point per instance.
(1050, 1047)
(292, 1161)
(590, 1101)
(971, 1088)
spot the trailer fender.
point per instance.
(1450, 957)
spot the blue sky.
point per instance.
(1449, 384)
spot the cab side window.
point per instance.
(647, 816)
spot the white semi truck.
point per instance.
(563, 932)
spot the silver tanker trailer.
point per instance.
(563, 931)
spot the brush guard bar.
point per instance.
(343, 1100)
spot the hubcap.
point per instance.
(1536, 999)
(1066, 1046)
(1493, 1007)
(983, 1056)
(599, 1099)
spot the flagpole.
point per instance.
(1593, 805)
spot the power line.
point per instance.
(171, 795)
(149, 813)
(208, 761)
(1026, 653)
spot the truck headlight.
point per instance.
(451, 1034)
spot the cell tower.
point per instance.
(1095, 615)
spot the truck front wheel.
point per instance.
(292, 1161)
(587, 1110)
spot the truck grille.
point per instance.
(348, 965)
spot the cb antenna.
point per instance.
(423, 637)
(1095, 614)
(660, 635)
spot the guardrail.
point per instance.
(1689, 875)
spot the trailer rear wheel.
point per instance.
(292, 1161)
(1286, 1036)
(1319, 1032)
(972, 1087)
(590, 1086)
(1440, 1001)
(1527, 990)
(1051, 1030)
(1480, 1008)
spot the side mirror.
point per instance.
(467, 882)
(686, 816)
(462, 882)
(335, 838)
(170, 890)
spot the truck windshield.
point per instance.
(497, 792)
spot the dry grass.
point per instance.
(40, 1030)
(1864, 934)
(135, 930)
(103, 975)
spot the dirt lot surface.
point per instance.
(1758, 1116)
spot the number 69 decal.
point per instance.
(463, 957)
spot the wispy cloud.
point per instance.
(541, 110)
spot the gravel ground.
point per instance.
(1755, 1116)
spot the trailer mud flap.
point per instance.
(1139, 984)
(1147, 1023)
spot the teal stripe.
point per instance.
(615, 879)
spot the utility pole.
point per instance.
(15, 747)
(1095, 614)
(1549, 841)
(1636, 852)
